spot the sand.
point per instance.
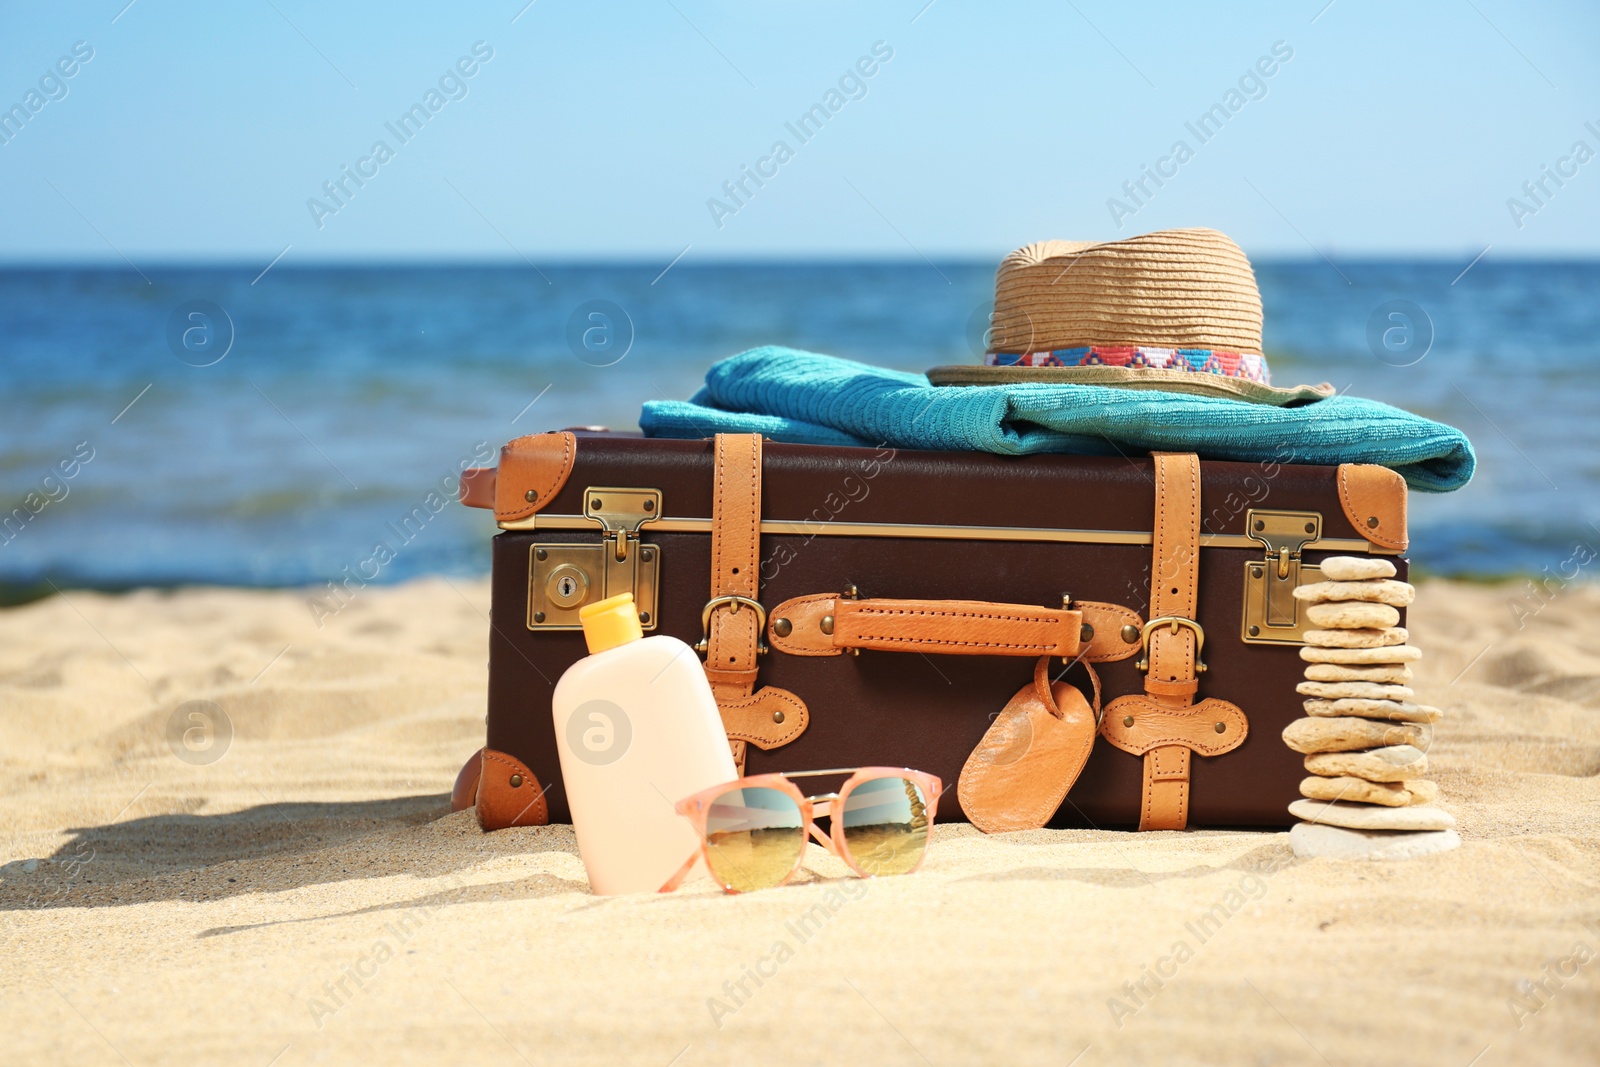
(305, 898)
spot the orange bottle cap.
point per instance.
(610, 622)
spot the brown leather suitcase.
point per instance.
(899, 599)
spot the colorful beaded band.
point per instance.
(1200, 360)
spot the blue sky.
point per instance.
(201, 130)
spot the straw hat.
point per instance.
(1176, 310)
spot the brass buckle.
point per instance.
(1175, 621)
(704, 644)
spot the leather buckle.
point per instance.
(1174, 621)
(704, 644)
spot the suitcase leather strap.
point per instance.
(769, 717)
(830, 624)
(1166, 724)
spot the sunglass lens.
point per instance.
(756, 835)
(886, 825)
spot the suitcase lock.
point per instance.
(1272, 616)
(564, 577)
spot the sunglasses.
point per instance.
(753, 831)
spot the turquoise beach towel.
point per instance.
(806, 398)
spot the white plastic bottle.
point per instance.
(638, 730)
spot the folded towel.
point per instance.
(806, 398)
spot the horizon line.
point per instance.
(646, 260)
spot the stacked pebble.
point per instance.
(1364, 739)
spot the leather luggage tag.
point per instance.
(1029, 757)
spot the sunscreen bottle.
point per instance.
(638, 730)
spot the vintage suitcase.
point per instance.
(899, 598)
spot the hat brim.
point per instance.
(1166, 381)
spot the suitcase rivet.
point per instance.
(777, 716)
(595, 504)
(1255, 631)
(541, 554)
(782, 627)
(516, 781)
(827, 625)
(1260, 525)
(1222, 727)
(644, 617)
(1130, 634)
(1086, 633)
(1127, 720)
(538, 616)
(531, 496)
(1311, 527)
(1372, 522)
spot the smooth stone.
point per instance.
(1393, 764)
(1371, 817)
(1392, 710)
(1397, 673)
(1380, 591)
(1392, 635)
(1356, 568)
(1349, 616)
(1422, 791)
(1381, 654)
(1308, 736)
(1370, 690)
(1313, 840)
(1390, 794)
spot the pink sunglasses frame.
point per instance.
(697, 809)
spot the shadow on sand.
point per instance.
(268, 848)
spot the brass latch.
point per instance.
(620, 513)
(1271, 613)
(564, 577)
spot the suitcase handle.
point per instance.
(829, 624)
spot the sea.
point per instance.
(219, 425)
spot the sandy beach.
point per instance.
(305, 897)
